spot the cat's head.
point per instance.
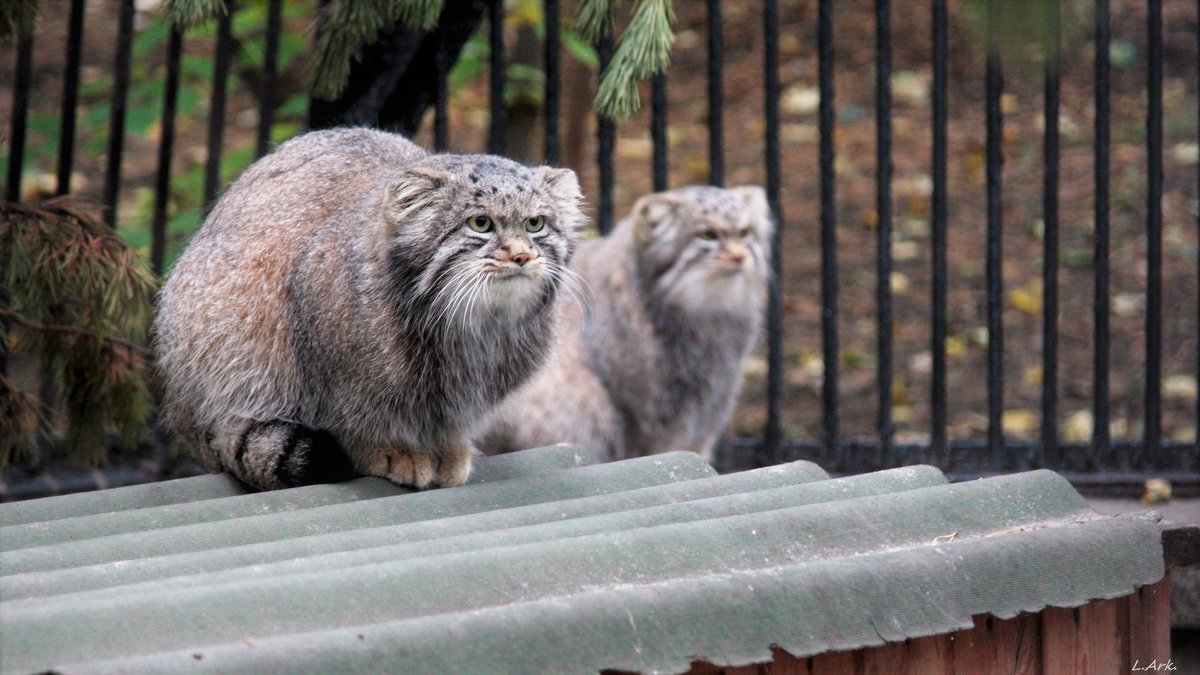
(704, 249)
(478, 238)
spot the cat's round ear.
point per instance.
(562, 183)
(415, 188)
(755, 198)
(656, 209)
(757, 205)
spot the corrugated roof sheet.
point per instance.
(545, 562)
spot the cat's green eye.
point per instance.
(745, 233)
(480, 223)
(535, 224)
(707, 235)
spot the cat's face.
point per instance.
(706, 249)
(482, 238)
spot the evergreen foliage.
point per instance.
(81, 299)
(344, 26)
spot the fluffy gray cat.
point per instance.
(651, 360)
(353, 305)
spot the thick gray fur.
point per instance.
(335, 301)
(651, 359)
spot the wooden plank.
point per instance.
(1086, 639)
(887, 659)
(1011, 646)
(838, 663)
(1149, 624)
(930, 655)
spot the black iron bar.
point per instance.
(70, 98)
(551, 66)
(1196, 417)
(1101, 146)
(1152, 446)
(716, 133)
(166, 146)
(441, 100)
(216, 112)
(496, 76)
(16, 157)
(995, 238)
(1047, 452)
(20, 111)
(772, 450)
(883, 231)
(939, 448)
(116, 119)
(658, 129)
(266, 95)
(829, 271)
(606, 136)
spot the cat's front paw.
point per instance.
(403, 467)
(453, 468)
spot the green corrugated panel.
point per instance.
(57, 581)
(574, 571)
(511, 533)
(404, 507)
(199, 488)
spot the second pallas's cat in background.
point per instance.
(355, 305)
(651, 360)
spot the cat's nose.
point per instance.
(735, 252)
(518, 255)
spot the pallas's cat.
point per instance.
(353, 305)
(651, 359)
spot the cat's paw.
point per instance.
(453, 468)
(403, 467)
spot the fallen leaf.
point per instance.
(798, 100)
(1078, 426)
(1018, 422)
(1182, 387)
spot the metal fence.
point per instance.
(1102, 461)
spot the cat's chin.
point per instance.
(514, 296)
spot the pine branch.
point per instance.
(81, 301)
(187, 14)
(139, 355)
(644, 49)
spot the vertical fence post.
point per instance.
(553, 72)
(772, 448)
(496, 77)
(1047, 452)
(16, 154)
(939, 448)
(116, 127)
(773, 436)
(658, 129)
(441, 99)
(1152, 446)
(166, 147)
(995, 239)
(216, 113)
(70, 98)
(266, 95)
(606, 134)
(829, 272)
(20, 110)
(716, 132)
(883, 231)
(1101, 444)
